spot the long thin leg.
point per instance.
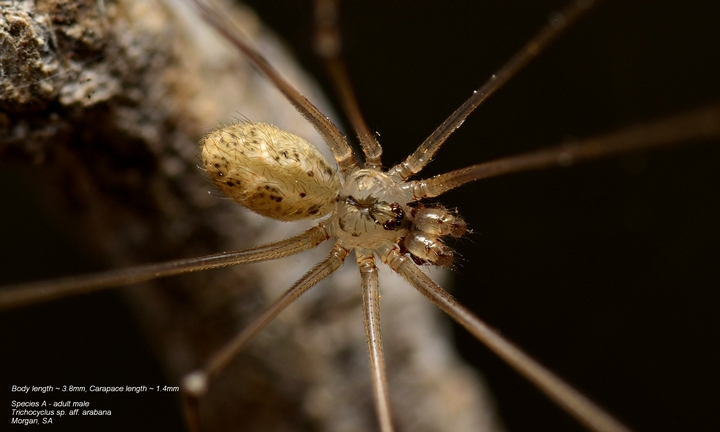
(195, 384)
(329, 46)
(577, 405)
(21, 295)
(330, 133)
(559, 21)
(696, 125)
(371, 310)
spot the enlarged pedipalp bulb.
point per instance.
(271, 172)
(439, 221)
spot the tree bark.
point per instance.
(103, 104)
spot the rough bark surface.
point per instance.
(103, 103)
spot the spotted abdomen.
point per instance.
(270, 171)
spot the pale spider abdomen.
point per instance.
(270, 171)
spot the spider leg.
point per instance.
(328, 45)
(697, 125)
(371, 311)
(577, 405)
(559, 21)
(331, 134)
(21, 295)
(195, 384)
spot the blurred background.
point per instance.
(606, 272)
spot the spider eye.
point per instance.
(390, 225)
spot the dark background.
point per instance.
(608, 272)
